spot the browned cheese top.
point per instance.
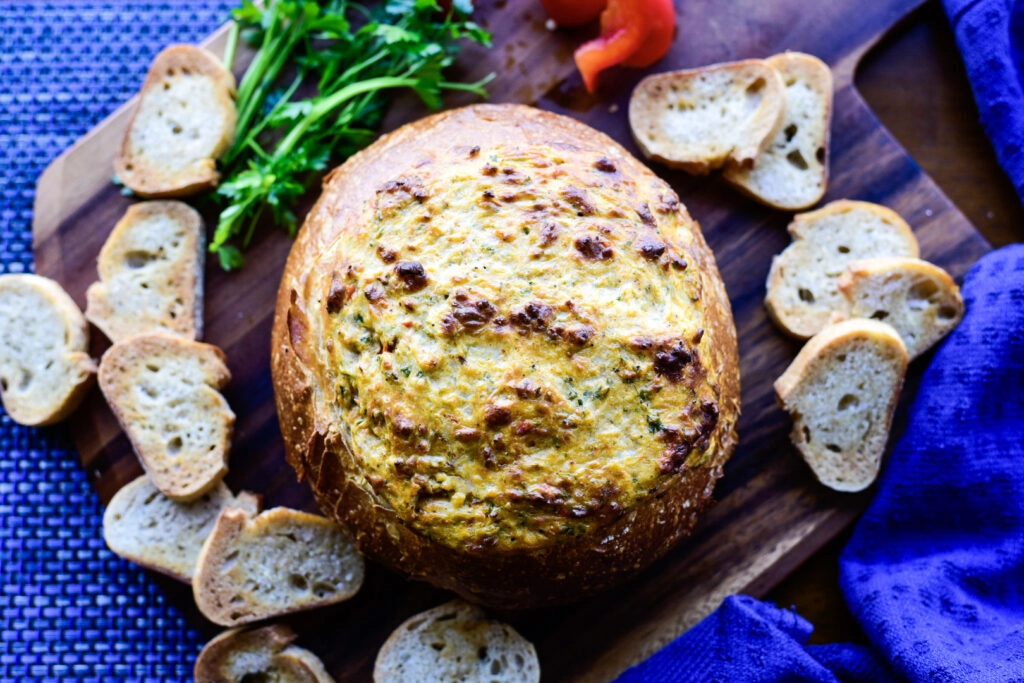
(513, 344)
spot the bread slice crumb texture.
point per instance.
(700, 119)
(185, 120)
(258, 655)
(841, 391)
(919, 299)
(146, 527)
(165, 393)
(281, 561)
(456, 642)
(792, 172)
(151, 273)
(45, 369)
(803, 283)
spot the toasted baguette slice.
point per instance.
(259, 654)
(146, 527)
(165, 393)
(803, 283)
(792, 172)
(841, 391)
(185, 120)
(45, 369)
(700, 119)
(279, 562)
(151, 273)
(456, 642)
(919, 299)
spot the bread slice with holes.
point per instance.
(45, 368)
(258, 654)
(165, 392)
(803, 283)
(919, 299)
(184, 121)
(281, 561)
(151, 273)
(701, 119)
(456, 642)
(792, 172)
(146, 527)
(841, 391)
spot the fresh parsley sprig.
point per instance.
(352, 57)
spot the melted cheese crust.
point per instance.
(516, 345)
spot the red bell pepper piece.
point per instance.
(661, 31)
(633, 32)
(573, 12)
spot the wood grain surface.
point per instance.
(942, 132)
(771, 513)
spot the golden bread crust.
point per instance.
(504, 358)
(156, 164)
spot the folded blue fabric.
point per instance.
(751, 641)
(934, 572)
(990, 35)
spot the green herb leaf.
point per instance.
(351, 58)
(230, 258)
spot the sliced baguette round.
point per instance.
(456, 642)
(184, 121)
(151, 273)
(919, 299)
(792, 172)
(45, 369)
(803, 283)
(281, 561)
(258, 654)
(700, 119)
(146, 527)
(165, 393)
(841, 391)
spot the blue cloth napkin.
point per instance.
(990, 35)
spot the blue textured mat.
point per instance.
(70, 609)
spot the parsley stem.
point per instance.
(250, 139)
(232, 46)
(327, 105)
(264, 71)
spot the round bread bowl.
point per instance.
(504, 358)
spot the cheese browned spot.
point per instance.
(533, 363)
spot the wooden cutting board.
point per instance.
(771, 513)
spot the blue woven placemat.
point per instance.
(70, 609)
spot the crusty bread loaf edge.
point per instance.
(98, 291)
(189, 56)
(387, 650)
(743, 156)
(78, 331)
(223, 376)
(796, 228)
(831, 334)
(512, 579)
(827, 74)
